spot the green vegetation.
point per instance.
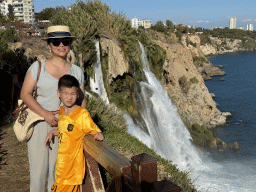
(184, 84)
(47, 13)
(248, 37)
(199, 61)
(9, 35)
(3, 19)
(114, 130)
(248, 43)
(16, 59)
(155, 54)
(188, 42)
(205, 39)
(202, 137)
(194, 80)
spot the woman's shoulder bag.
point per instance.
(26, 118)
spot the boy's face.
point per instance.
(68, 96)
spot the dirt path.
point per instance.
(14, 168)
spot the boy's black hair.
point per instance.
(68, 81)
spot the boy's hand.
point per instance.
(98, 136)
(49, 138)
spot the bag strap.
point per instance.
(38, 75)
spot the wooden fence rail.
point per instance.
(138, 175)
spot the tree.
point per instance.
(11, 17)
(45, 14)
(159, 26)
(170, 25)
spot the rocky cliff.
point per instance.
(186, 87)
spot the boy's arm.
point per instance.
(49, 137)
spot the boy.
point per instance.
(74, 123)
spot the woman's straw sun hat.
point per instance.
(58, 31)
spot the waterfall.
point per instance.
(170, 138)
(97, 86)
(167, 135)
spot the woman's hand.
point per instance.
(51, 119)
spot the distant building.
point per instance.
(250, 27)
(190, 26)
(5, 7)
(135, 23)
(217, 28)
(242, 28)
(232, 22)
(146, 23)
(23, 10)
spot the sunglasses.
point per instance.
(65, 41)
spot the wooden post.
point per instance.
(93, 181)
(144, 170)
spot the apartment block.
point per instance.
(5, 7)
(146, 23)
(23, 10)
(135, 23)
(232, 22)
(250, 27)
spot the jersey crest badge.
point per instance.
(70, 127)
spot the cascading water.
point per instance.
(97, 86)
(170, 138)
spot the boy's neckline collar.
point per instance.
(70, 112)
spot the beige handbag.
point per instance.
(26, 118)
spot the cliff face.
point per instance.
(186, 86)
(117, 65)
(181, 79)
(218, 45)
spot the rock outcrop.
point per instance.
(186, 87)
(117, 65)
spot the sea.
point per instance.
(236, 93)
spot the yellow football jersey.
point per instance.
(70, 164)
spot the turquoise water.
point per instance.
(235, 93)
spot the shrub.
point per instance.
(202, 137)
(194, 80)
(205, 39)
(10, 35)
(184, 84)
(188, 42)
(198, 61)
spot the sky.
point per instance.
(198, 13)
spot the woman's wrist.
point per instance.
(44, 113)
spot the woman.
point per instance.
(41, 159)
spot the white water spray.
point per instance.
(97, 86)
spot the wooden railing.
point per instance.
(137, 175)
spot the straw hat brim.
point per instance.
(57, 37)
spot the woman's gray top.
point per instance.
(48, 85)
